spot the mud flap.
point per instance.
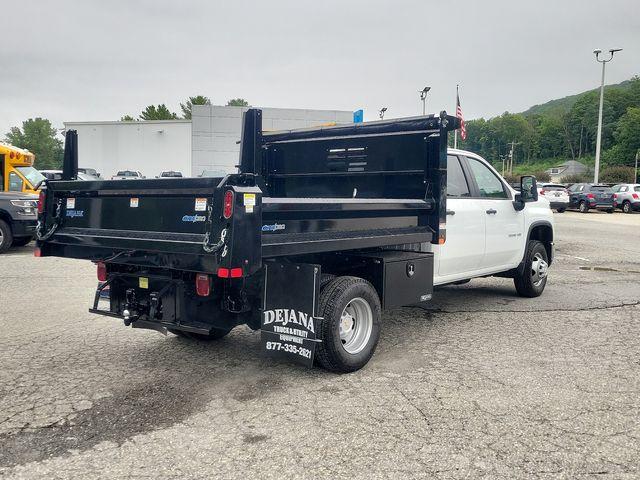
(289, 314)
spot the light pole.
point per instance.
(597, 52)
(382, 111)
(635, 171)
(423, 97)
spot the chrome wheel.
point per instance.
(539, 268)
(626, 207)
(356, 323)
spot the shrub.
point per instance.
(542, 176)
(617, 174)
(577, 178)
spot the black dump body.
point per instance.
(304, 196)
(298, 192)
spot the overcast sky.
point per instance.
(98, 60)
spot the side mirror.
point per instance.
(518, 203)
(528, 188)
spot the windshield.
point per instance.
(33, 176)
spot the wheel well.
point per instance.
(544, 234)
(6, 217)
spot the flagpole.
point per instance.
(455, 132)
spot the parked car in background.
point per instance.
(128, 175)
(585, 196)
(626, 197)
(89, 171)
(52, 174)
(18, 216)
(557, 195)
(170, 174)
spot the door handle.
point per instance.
(491, 211)
(451, 212)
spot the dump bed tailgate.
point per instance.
(161, 222)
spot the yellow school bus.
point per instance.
(16, 170)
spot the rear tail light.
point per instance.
(230, 272)
(635, 196)
(590, 195)
(615, 195)
(541, 192)
(41, 197)
(203, 285)
(101, 271)
(227, 210)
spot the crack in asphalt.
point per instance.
(584, 309)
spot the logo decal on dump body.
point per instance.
(273, 228)
(194, 218)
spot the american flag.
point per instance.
(463, 130)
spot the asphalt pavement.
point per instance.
(480, 383)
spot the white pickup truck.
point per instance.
(490, 234)
(318, 232)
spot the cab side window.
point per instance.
(15, 182)
(489, 185)
(457, 185)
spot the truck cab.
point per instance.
(488, 229)
(17, 173)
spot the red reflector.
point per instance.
(37, 252)
(41, 202)
(590, 195)
(228, 204)
(101, 272)
(236, 272)
(223, 272)
(203, 286)
(634, 195)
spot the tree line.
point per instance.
(39, 137)
(544, 137)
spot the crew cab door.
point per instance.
(503, 224)
(463, 250)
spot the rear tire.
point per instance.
(6, 236)
(350, 325)
(531, 282)
(560, 210)
(583, 207)
(626, 206)
(610, 210)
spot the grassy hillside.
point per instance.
(560, 106)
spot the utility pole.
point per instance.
(510, 163)
(635, 180)
(596, 170)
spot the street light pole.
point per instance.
(636, 169)
(423, 97)
(597, 52)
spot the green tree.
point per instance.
(159, 112)
(39, 137)
(627, 139)
(237, 102)
(127, 118)
(197, 100)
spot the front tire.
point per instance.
(350, 328)
(6, 236)
(533, 278)
(583, 207)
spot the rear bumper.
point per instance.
(558, 204)
(602, 206)
(23, 228)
